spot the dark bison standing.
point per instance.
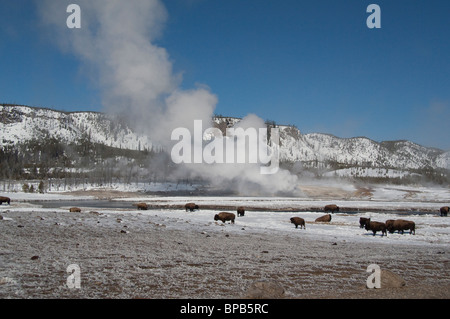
(325, 218)
(75, 210)
(400, 225)
(444, 211)
(389, 224)
(225, 217)
(240, 211)
(5, 200)
(362, 222)
(298, 221)
(191, 207)
(142, 206)
(376, 226)
(331, 208)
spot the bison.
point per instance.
(225, 217)
(362, 222)
(444, 211)
(331, 208)
(389, 224)
(325, 218)
(400, 225)
(298, 221)
(376, 226)
(191, 207)
(240, 211)
(75, 210)
(142, 206)
(5, 200)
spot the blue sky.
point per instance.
(314, 64)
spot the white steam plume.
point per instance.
(116, 47)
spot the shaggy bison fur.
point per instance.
(225, 217)
(142, 206)
(400, 225)
(325, 218)
(376, 226)
(75, 210)
(5, 200)
(362, 222)
(444, 211)
(331, 208)
(240, 211)
(389, 224)
(191, 207)
(298, 221)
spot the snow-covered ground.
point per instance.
(272, 214)
(431, 229)
(166, 252)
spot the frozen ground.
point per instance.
(167, 252)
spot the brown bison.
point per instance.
(191, 207)
(389, 224)
(5, 200)
(75, 210)
(362, 222)
(400, 225)
(240, 211)
(331, 208)
(444, 211)
(225, 217)
(298, 221)
(142, 206)
(376, 226)
(325, 218)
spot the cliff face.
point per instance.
(334, 156)
(355, 157)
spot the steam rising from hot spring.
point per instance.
(117, 50)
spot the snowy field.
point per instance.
(343, 227)
(266, 216)
(271, 215)
(166, 252)
(430, 229)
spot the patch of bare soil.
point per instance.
(325, 192)
(363, 192)
(104, 194)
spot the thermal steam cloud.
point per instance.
(115, 46)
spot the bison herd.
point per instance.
(391, 225)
